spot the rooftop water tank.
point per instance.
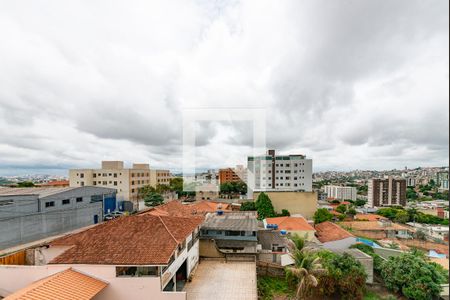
(283, 232)
(220, 212)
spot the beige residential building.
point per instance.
(126, 181)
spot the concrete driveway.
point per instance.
(219, 280)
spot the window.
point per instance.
(50, 204)
(105, 182)
(115, 183)
(96, 198)
(66, 201)
(82, 175)
(104, 174)
(82, 183)
(94, 175)
(115, 175)
(6, 202)
(95, 183)
(233, 233)
(132, 182)
(110, 174)
(136, 271)
(79, 199)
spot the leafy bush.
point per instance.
(341, 208)
(345, 276)
(248, 205)
(268, 287)
(285, 213)
(413, 276)
(322, 215)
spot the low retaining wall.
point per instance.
(268, 269)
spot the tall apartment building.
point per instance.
(442, 180)
(279, 172)
(233, 174)
(340, 192)
(126, 181)
(386, 192)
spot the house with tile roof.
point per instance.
(368, 217)
(141, 256)
(332, 236)
(60, 285)
(380, 229)
(200, 208)
(293, 225)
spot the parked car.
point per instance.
(117, 214)
(108, 217)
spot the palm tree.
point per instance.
(306, 266)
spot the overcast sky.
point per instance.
(351, 84)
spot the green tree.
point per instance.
(345, 276)
(248, 205)
(305, 269)
(25, 184)
(413, 276)
(162, 188)
(145, 190)
(352, 211)
(341, 208)
(360, 202)
(176, 184)
(411, 194)
(153, 199)
(322, 215)
(264, 207)
(401, 217)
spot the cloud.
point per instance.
(350, 83)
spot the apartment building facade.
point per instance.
(127, 181)
(340, 192)
(239, 173)
(279, 172)
(386, 192)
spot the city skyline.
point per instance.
(352, 85)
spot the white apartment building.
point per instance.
(279, 172)
(340, 192)
(126, 181)
(410, 181)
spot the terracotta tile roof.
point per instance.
(176, 208)
(333, 212)
(142, 239)
(291, 223)
(328, 232)
(208, 206)
(369, 217)
(55, 183)
(373, 226)
(68, 284)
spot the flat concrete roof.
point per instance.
(221, 280)
(245, 221)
